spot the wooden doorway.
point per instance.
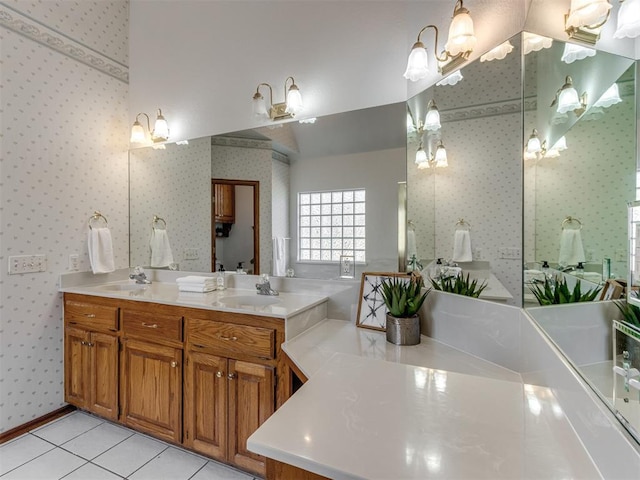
(223, 207)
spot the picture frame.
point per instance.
(611, 290)
(372, 312)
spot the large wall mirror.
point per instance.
(180, 193)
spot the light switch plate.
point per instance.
(191, 254)
(27, 264)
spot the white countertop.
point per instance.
(361, 416)
(285, 304)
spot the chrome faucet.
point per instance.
(139, 276)
(264, 287)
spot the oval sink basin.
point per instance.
(248, 301)
(124, 287)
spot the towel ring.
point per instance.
(463, 223)
(570, 220)
(157, 219)
(95, 218)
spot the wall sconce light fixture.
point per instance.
(456, 51)
(440, 158)
(535, 148)
(610, 97)
(451, 80)
(573, 52)
(160, 132)
(497, 53)
(628, 19)
(421, 158)
(586, 18)
(534, 43)
(559, 146)
(291, 106)
(432, 120)
(567, 99)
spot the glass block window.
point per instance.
(331, 224)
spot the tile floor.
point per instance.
(80, 446)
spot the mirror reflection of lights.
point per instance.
(420, 378)
(573, 52)
(433, 461)
(497, 53)
(451, 80)
(307, 438)
(440, 380)
(534, 43)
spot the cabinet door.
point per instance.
(251, 402)
(225, 209)
(205, 409)
(103, 395)
(152, 389)
(76, 366)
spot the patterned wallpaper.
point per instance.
(280, 199)
(174, 184)
(64, 154)
(592, 180)
(242, 163)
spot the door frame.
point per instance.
(256, 219)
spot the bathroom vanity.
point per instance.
(200, 370)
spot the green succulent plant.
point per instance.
(459, 285)
(403, 298)
(630, 313)
(557, 292)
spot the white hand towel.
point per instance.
(100, 250)
(196, 288)
(462, 246)
(161, 255)
(571, 249)
(411, 244)
(279, 257)
(195, 279)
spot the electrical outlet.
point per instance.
(509, 253)
(74, 262)
(27, 264)
(347, 268)
(191, 254)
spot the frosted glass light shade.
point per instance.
(561, 144)
(432, 120)
(441, 156)
(160, 128)
(137, 133)
(568, 100)
(418, 63)
(259, 106)
(497, 53)
(452, 79)
(585, 13)
(294, 100)
(421, 157)
(534, 43)
(529, 155)
(461, 34)
(610, 97)
(628, 19)
(573, 52)
(533, 145)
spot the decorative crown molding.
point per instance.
(240, 142)
(39, 33)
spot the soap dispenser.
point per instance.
(545, 270)
(580, 270)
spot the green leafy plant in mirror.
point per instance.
(555, 292)
(459, 285)
(403, 298)
(630, 313)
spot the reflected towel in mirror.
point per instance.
(462, 246)
(100, 250)
(161, 255)
(411, 243)
(279, 257)
(571, 249)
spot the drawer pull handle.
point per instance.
(231, 376)
(219, 374)
(174, 364)
(83, 342)
(233, 339)
(90, 315)
(150, 325)
(89, 344)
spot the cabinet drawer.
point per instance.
(152, 325)
(231, 338)
(95, 317)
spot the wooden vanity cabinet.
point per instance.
(91, 357)
(151, 378)
(230, 386)
(224, 202)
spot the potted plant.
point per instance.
(459, 285)
(403, 298)
(556, 292)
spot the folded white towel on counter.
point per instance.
(571, 249)
(182, 286)
(100, 250)
(196, 288)
(195, 280)
(462, 246)
(161, 255)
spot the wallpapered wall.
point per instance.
(241, 163)
(64, 154)
(174, 184)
